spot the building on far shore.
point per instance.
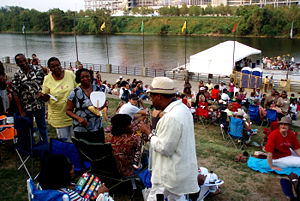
(119, 5)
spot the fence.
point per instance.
(290, 85)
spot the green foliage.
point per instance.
(184, 10)
(250, 20)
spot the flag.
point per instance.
(102, 27)
(183, 27)
(234, 28)
(291, 33)
(23, 28)
(142, 27)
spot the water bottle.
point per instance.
(211, 177)
(212, 180)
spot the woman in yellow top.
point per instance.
(266, 84)
(56, 88)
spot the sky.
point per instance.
(45, 5)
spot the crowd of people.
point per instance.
(170, 134)
(281, 63)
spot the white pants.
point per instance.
(65, 133)
(288, 161)
(158, 189)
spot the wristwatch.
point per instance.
(151, 134)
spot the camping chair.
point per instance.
(253, 112)
(202, 113)
(25, 145)
(223, 124)
(287, 188)
(68, 149)
(103, 164)
(7, 131)
(271, 116)
(236, 127)
(35, 194)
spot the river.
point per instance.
(127, 50)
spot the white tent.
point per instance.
(218, 60)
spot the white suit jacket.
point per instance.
(174, 160)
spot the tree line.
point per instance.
(250, 20)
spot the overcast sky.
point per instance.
(45, 5)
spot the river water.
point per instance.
(127, 50)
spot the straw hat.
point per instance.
(162, 85)
(286, 120)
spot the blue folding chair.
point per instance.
(253, 112)
(25, 145)
(35, 194)
(287, 188)
(271, 116)
(236, 127)
(68, 149)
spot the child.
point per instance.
(293, 109)
(231, 87)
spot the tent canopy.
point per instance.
(218, 60)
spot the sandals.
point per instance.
(241, 157)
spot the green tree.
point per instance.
(135, 10)
(184, 10)
(209, 10)
(163, 11)
(194, 11)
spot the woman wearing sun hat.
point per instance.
(283, 146)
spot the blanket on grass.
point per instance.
(261, 165)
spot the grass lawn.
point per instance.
(241, 183)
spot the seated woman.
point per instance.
(236, 96)
(229, 111)
(56, 174)
(252, 98)
(215, 93)
(274, 107)
(126, 145)
(247, 126)
(283, 147)
(242, 94)
(202, 109)
(261, 110)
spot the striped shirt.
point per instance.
(74, 196)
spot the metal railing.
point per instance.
(150, 72)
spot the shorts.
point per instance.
(65, 133)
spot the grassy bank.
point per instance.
(173, 25)
(241, 183)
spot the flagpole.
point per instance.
(26, 47)
(234, 39)
(185, 45)
(75, 36)
(106, 46)
(143, 45)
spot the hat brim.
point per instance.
(160, 91)
(284, 122)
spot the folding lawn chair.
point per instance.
(68, 149)
(7, 131)
(35, 194)
(271, 116)
(25, 145)
(253, 112)
(202, 113)
(287, 188)
(223, 124)
(103, 164)
(236, 127)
